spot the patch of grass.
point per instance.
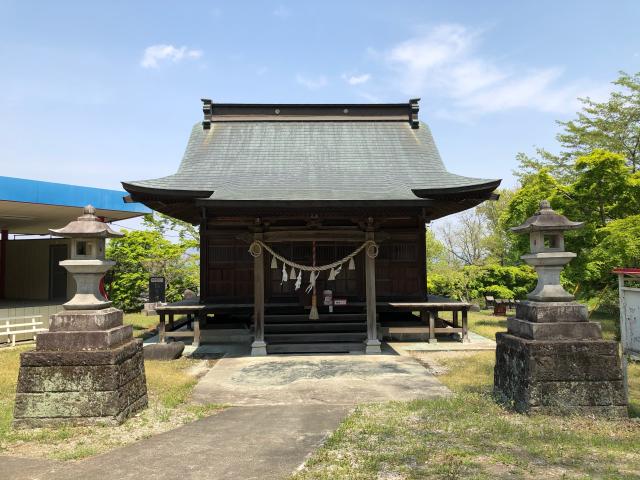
(77, 453)
(9, 364)
(609, 323)
(140, 322)
(469, 436)
(168, 382)
(169, 385)
(485, 324)
(633, 373)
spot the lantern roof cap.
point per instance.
(88, 225)
(546, 219)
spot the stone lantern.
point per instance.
(546, 239)
(552, 359)
(88, 368)
(87, 264)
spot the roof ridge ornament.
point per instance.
(413, 116)
(310, 112)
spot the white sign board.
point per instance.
(629, 315)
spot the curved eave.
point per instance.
(481, 190)
(532, 227)
(141, 193)
(103, 234)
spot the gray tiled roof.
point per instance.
(321, 160)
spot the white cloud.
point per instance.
(444, 62)
(154, 55)
(312, 83)
(356, 79)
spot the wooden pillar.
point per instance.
(162, 328)
(432, 325)
(258, 347)
(465, 327)
(4, 238)
(373, 343)
(196, 329)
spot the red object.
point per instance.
(103, 291)
(4, 238)
(628, 271)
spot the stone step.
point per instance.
(315, 337)
(304, 318)
(330, 347)
(315, 327)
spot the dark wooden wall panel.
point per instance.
(227, 274)
(229, 268)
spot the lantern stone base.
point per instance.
(559, 376)
(83, 376)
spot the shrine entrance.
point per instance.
(347, 287)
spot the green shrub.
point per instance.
(498, 291)
(473, 282)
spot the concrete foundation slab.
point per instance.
(317, 379)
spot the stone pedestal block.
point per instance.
(88, 370)
(554, 330)
(85, 320)
(549, 312)
(559, 376)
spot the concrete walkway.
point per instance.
(237, 444)
(282, 408)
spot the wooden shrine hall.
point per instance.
(312, 220)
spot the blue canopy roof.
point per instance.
(33, 206)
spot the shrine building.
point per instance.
(312, 219)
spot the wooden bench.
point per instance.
(429, 314)
(10, 330)
(191, 309)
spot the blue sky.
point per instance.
(98, 92)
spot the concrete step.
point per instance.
(304, 318)
(335, 347)
(299, 338)
(315, 327)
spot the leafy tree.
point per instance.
(618, 246)
(465, 241)
(612, 125)
(604, 188)
(436, 252)
(497, 241)
(188, 235)
(141, 254)
(526, 202)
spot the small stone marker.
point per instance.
(552, 358)
(157, 289)
(88, 368)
